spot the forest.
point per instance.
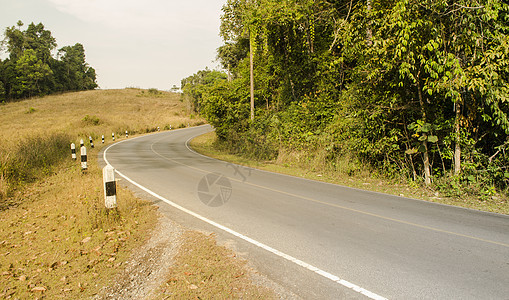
(415, 90)
(31, 69)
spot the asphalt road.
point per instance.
(318, 240)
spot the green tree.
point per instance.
(30, 72)
(75, 74)
(412, 87)
(196, 85)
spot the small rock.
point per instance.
(193, 287)
(86, 240)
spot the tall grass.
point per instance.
(31, 159)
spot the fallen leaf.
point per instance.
(39, 289)
(22, 278)
(86, 240)
(193, 287)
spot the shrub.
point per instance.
(91, 120)
(32, 159)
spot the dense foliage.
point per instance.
(414, 88)
(31, 70)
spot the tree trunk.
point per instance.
(251, 70)
(427, 173)
(369, 32)
(457, 148)
(427, 167)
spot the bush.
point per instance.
(91, 120)
(32, 159)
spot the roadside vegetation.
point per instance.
(412, 93)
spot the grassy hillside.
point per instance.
(56, 237)
(92, 113)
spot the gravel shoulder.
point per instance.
(148, 266)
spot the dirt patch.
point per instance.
(147, 269)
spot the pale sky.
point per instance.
(130, 43)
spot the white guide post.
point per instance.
(110, 187)
(84, 158)
(73, 151)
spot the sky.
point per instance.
(130, 43)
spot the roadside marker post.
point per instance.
(126, 134)
(110, 187)
(73, 151)
(82, 143)
(84, 158)
(157, 128)
(91, 142)
(102, 139)
(113, 136)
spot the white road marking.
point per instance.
(299, 262)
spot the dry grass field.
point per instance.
(92, 113)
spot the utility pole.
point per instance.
(369, 33)
(251, 69)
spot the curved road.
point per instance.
(318, 240)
